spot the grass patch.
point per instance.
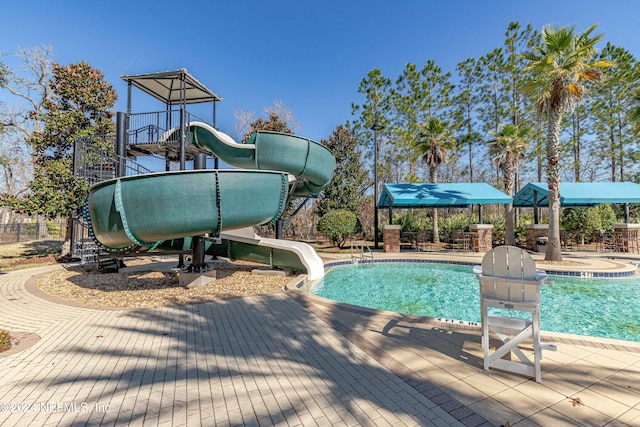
(329, 247)
(5, 341)
(15, 256)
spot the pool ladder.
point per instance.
(361, 253)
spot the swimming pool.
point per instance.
(596, 307)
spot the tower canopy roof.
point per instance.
(167, 87)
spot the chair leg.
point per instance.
(485, 336)
(537, 350)
(513, 332)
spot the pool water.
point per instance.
(596, 307)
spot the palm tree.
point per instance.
(509, 145)
(561, 66)
(432, 144)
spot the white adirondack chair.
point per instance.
(509, 280)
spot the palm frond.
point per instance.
(604, 64)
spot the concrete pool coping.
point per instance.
(586, 262)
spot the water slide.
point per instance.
(163, 210)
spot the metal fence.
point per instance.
(156, 127)
(26, 232)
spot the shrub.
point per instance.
(499, 227)
(589, 220)
(607, 216)
(413, 220)
(338, 225)
(458, 221)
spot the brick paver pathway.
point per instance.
(261, 360)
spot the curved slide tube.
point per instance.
(312, 163)
(161, 210)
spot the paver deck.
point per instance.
(263, 360)
(289, 359)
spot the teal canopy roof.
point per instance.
(457, 195)
(579, 194)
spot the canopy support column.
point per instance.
(197, 243)
(626, 213)
(183, 120)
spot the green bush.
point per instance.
(458, 221)
(412, 220)
(499, 227)
(586, 221)
(338, 225)
(607, 216)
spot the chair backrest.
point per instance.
(509, 274)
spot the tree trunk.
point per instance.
(576, 146)
(554, 252)
(620, 148)
(433, 177)
(612, 143)
(65, 250)
(509, 235)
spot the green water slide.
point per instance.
(163, 210)
(310, 162)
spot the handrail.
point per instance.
(360, 257)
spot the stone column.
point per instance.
(533, 231)
(482, 237)
(391, 238)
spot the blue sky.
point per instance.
(311, 55)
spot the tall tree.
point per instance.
(507, 147)
(561, 66)
(433, 144)
(273, 123)
(635, 115)
(376, 89)
(579, 120)
(419, 95)
(494, 99)
(79, 106)
(612, 107)
(464, 112)
(517, 41)
(350, 178)
(521, 110)
(276, 118)
(28, 89)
